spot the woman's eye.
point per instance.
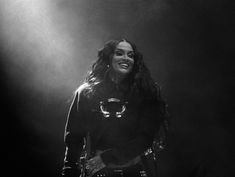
(118, 53)
(131, 55)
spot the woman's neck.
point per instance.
(116, 78)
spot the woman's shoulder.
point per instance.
(82, 89)
(87, 89)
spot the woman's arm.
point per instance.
(74, 133)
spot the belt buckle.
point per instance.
(143, 173)
(119, 172)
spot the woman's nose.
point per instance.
(125, 56)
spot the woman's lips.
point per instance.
(124, 65)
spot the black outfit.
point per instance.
(120, 122)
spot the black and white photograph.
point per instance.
(117, 88)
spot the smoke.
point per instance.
(38, 44)
(48, 46)
(51, 44)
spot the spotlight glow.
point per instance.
(32, 32)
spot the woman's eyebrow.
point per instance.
(118, 49)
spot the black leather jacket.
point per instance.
(121, 123)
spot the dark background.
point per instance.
(187, 45)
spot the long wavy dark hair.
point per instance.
(140, 79)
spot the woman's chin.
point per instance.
(123, 72)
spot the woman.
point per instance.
(114, 117)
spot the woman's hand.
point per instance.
(94, 165)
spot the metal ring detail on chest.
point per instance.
(113, 107)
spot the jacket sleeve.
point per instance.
(148, 124)
(74, 133)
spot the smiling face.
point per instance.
(123, 59)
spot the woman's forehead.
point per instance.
(124, 46)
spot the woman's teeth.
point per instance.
(124, 65)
